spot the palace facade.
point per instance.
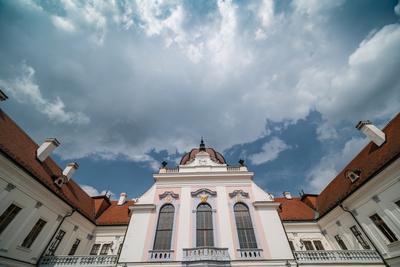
(204, 212)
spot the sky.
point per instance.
(124, 85)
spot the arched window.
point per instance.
(204, 226)
(244, 226)
(164, 228)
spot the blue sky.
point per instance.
(125, 85)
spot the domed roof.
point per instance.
(214, 155)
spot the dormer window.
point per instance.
(353, 175)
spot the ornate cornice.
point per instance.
(204, 190)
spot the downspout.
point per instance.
(55, 232)
(365, 233)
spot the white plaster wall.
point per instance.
(184, 224)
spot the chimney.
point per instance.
(287, 195)
(122, 199)
(372, 132)
(3, 96)
(70, 169)
(46, 148)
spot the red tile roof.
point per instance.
(370, 161)
(21, 149)
(294, 210)
(115, 215)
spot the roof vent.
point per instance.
(3, 96)
(353, 175)
(372, 132)
(66, 174)
(122, 199)
(287, 195)
(46, 148)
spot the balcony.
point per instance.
(337, 256)
(205, 254)
(161, 255)
(93, 260)
(250, 254)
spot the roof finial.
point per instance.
(202, 146)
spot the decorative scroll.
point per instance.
(238, 192)
(204, 191)
(168, 195)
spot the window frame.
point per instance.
(105, 248)
(311, 245)
(359, 236)
(340, 242)
(383, 228)
(160, 233)
(247, 232)
(320, 246)
(33, 234)
(95, 249)
(208, 240)
(74, 247)
(5, 219)
(55, 242)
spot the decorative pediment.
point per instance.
(238, 192)
(168, 195)
(204, 191)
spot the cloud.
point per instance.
(397, 9)
(326, 131)
(63, 24)
(25, 90)
(330, 165)
(270, 151)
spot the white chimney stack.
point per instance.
(122, 199)
(372, 132)
(70, 169)
(46, 148)
(287, 195)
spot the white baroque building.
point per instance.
(204, 212)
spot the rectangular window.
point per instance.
(104, 249)
(318, 245)
(33, 234)
(95, 249)
(7, 216)
(74, 247)
(308, 245)
(381, 225)
(357, 234)
(340, 242)
(291, 245)
(54, 245)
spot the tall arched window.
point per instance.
(164, 228)
(244, 226)
(204, 226)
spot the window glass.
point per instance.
(308, 245)
(244, 227)
(381, 225)
(33, 234)
(95, 249)
(204, 226)
(164, 228)
(8, 216)
(318, 245)
(74, 247)
(54, 245)
(357, 234)
(340, 242)
(104, 249)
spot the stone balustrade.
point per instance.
(92, 260)
(250, 253)
(337, 256)
(161, 255)
(205, 254)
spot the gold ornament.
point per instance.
(203, 198)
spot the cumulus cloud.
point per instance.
(25, 90)
(270, 151)
(331, 164)
(326, 131)
(63, 24)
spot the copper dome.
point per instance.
(214, 155)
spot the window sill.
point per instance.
(27, 250)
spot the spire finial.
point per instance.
(202, 146)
